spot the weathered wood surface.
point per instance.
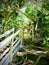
(6, 59)
(6, 33)
(9, 46)
(7, 50)
(6, 41)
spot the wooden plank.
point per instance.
(6, 59)
(6, 33)
(4, 53)
(5, 42)
(16, 41)
(15, 46)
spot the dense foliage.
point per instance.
(8, 13)
(10, 16)
(40, 17)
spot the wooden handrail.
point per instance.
(6, 33)
(9, 50)
(5, 42)
(6, 59)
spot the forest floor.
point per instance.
(31, 54)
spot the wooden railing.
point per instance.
(7, 33)
(9, 46)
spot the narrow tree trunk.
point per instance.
(32, 32)
(5, 17)
(23, 35)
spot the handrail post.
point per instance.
(11, 49)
